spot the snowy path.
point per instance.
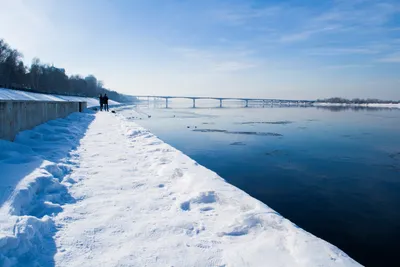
(139, 202)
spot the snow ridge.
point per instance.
(9, 94)
(38, 163)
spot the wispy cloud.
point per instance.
(304, 35)
(298, 23)
(241, 14)
(393, 58)
(193, 53)
(231, 66)
(219, 60)
(295, 37)
(349, 66)
(360, 13)
(336, 51)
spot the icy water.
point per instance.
(334, 172)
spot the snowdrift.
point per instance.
(34, 178)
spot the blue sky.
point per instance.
(277, 49)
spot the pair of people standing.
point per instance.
(103, 102)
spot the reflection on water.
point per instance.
(237, 144)
(335, 174)
(235, 132)
(267, 122)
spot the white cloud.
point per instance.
(334, 51)
(193, 53)
(304, 35)
(360, 13)
(346, 17)
(393, 58)
(241, 14)
(295, 37)
(231, 66)
(218, 60)
(349, 66)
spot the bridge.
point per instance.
(221, 99)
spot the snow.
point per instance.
(96, 189)
(33, 176)
(9, 94)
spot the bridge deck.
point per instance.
(223, 98)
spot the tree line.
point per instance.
(340, 100)
(44, 78)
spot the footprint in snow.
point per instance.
(177, 173)
(203, 198)
(254, 222)
(165, 161)
(207, 209)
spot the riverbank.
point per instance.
(371, 105)
(97, 189)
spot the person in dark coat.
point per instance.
(105, 98)
(101, 99)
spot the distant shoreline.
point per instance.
(372, 105)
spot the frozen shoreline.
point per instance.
(116, 195)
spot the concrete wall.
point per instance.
(16, 116)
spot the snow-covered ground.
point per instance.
(99, 190)
(9, 94)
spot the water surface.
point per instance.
(334, 172)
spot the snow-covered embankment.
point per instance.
(125, 198)
(9, 94)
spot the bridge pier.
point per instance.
(255, 101)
